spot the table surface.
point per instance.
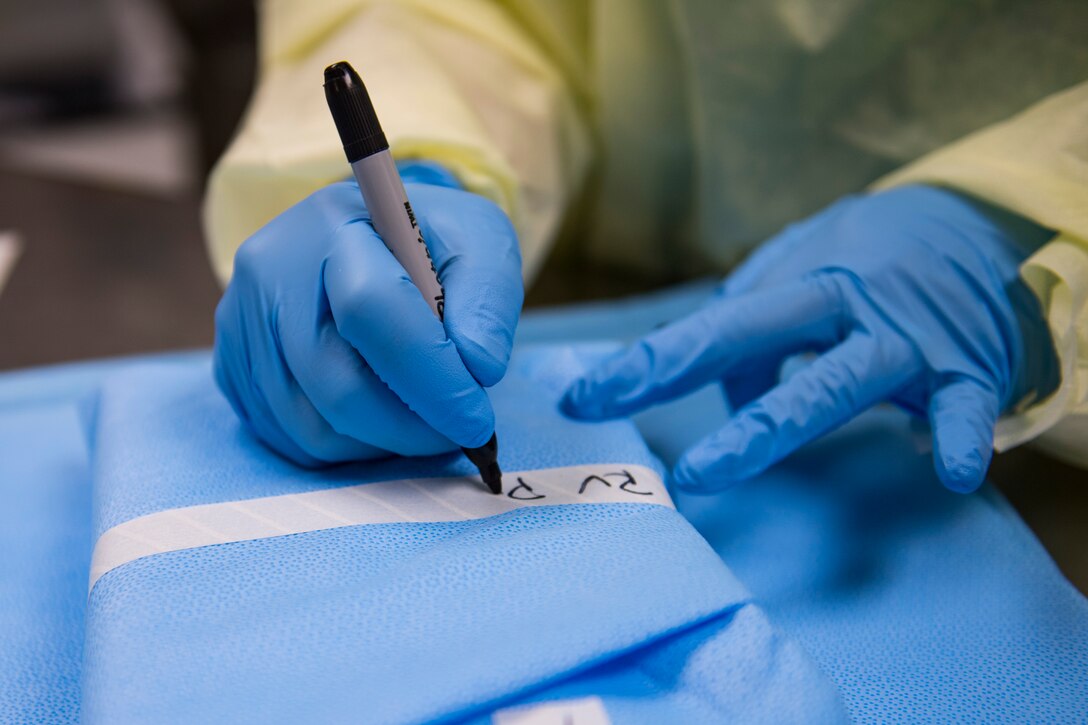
(109, 273)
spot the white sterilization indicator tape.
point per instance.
(385, 502)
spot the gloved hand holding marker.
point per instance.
(325, 345)
(911, 295)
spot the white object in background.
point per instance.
(150, 153)
(10, 246)
(583, 711)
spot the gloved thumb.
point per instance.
(962, 415)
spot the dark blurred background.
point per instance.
(111, 114)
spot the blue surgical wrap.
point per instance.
(917, 604)
(45, 552)
(412, 622)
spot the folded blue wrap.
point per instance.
(921, 605)
(412, 622)
(45, 552)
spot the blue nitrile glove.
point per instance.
(910, 295)
(329, 353)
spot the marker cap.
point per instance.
(352, 112)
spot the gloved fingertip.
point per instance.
(724, 459)
(691, 477)
(487, 365)
(588, 399)
(686, 478)
(963, 416)
(962, 474)
(478, 439)
(579, 403)
(702, 468)
(488, 372)
(474, 426)
(616, 386)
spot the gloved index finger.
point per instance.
(381, 313)
(702, 347)
(475, 249)
(963, 414)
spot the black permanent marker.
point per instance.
(383, 191)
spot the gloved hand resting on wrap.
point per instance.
(910, 295)
(329, 353)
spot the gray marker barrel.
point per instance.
(383, 191)
(396, 224)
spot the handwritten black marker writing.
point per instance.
(627, 486)
(630, 483)
(582, 488)
(529, 494)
